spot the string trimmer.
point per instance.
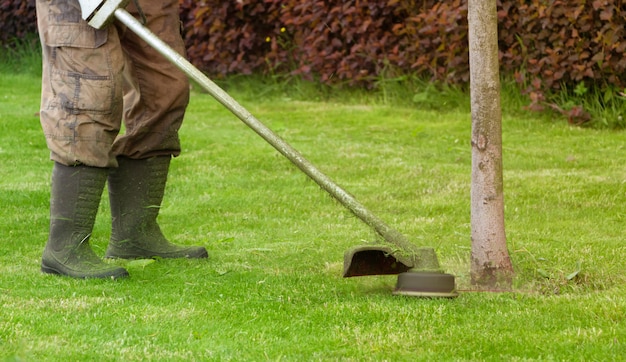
(418, 267)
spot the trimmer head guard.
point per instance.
(373, 260)
(385, 259)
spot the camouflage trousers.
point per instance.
(95, 79)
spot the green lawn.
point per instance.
(272, 289)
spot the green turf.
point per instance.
(272, 289)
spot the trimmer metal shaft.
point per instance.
(388, 233)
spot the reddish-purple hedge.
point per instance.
(547, 44)
(552, 41)
(17, 19)
(338, 41)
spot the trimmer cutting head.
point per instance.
(418, 271)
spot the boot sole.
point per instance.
(121, 273)
(195, 254)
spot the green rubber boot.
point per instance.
(75, 198)
(136, 191)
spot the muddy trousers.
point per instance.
(92, 79)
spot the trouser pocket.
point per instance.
(82, 68)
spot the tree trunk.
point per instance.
(491, 264)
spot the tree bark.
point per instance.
(490, 262)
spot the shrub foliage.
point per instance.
(338, 41)
(557, 43)
(17, 20)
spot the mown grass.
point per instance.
(272, 289)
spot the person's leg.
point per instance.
(156, 92)
(156, 96)
(81, 105)
(81, 97)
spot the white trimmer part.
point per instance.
(99, 13)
